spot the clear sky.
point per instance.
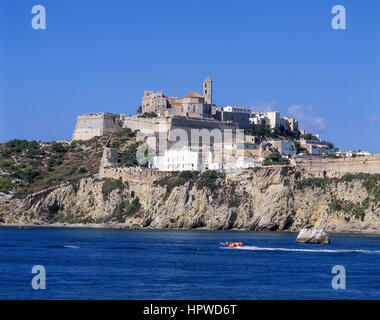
(100, 56)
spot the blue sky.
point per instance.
(99, 56)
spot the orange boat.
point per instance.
(231, 244)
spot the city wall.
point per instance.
(338, 167)
(318, 168)
(132, 174)
(97, 124)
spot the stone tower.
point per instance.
(207, 90)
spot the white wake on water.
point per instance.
(307, 250)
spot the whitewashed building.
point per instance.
(284, 147)
(177, 160)
(188, 160)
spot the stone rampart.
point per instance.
(338, 167)
(96, 124)
(133, 174)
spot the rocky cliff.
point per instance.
(263, 199)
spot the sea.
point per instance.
(93, 263)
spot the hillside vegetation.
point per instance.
(30, 166)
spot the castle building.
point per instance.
(236, 114)
(191, 113)
(97, 124)
(191, 105)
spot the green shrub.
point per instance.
(16, 145)
(115, 145)
(335, 205)
(55, 207)
(6, 153)
(125, 132)
(5, 163)
(330, 156)
(148, 115)
(34, 150)
(111, 184)
(177, 179)
(309, 136)
(82, 170)
(256, 169)
(58, 147)
(128, 156)
(275, 159)
(125, 209)
(28, 174)
(348, 208)
(371, 182)
(6, 185)
(207, 180)
(359, 213)
(20, 194)
(312, 182)
(51, 162)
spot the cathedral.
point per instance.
(191, 105)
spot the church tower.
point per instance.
(207, 90)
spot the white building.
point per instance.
(318, 149)
(315, 147)
(284, 147)
(236, 109)
(188, 160)
(270, 119)
(178, 160)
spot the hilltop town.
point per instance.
(192, 133)
(187, 163)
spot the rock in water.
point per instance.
(313, 235)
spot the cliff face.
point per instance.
(268, 199)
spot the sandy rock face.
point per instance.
(313, 235)
(268, 199)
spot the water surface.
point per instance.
(125, 264)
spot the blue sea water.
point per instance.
(125, 264)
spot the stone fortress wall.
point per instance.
(338, 167)
(133, 174)
(97, 124)
(317, 168)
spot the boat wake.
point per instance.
(62, 247)
(307, 250)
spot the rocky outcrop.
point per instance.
(313, 235)
(275, 199)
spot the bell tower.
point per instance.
(207, 90)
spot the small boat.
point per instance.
(231, 244)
